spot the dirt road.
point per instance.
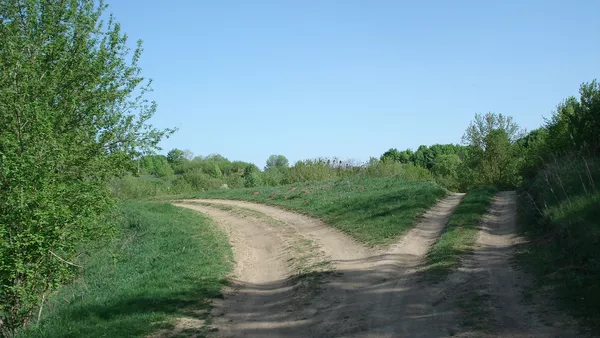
(297, 277)
(349, 290)
(487, 290)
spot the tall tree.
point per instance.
(277, 161)
(482, 125)
(73, 114)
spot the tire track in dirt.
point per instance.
(487, 289)
(375, 292)
(262, 295)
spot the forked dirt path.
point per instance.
(370, 292)
(297, 277)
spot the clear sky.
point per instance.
(348, 78)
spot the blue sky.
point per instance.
(352, 79)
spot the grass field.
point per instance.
(372, 210)
(460, 234)
(165, 263)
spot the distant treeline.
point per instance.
(495, 151)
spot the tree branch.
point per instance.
(65, 261)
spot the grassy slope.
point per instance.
(559, 211)
(165, 263)
(460, 234)
(373, 210)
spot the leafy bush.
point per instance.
(163, 263)
(407, 171)
(309, 170)
(253, 179)
(235, 181)
(274, 176)
(198, 180)
(72, 115)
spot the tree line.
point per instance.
(74, 134)
(494, 151)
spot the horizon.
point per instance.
(350, 79)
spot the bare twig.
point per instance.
(65, 261)
(40, 311)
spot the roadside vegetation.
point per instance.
(372, 210)
(81, 253)
(163, 263)
(559, 206)
(560, 214)
(459, 235)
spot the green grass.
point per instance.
(372, 210)
(243, 212)
(559, 212)
(166, 263)
(459, 235)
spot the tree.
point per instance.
(424, 157)
(496, 163)
(394, 155)
(496, 157)
(73, 114)
(575, 124)
(178, 156)
(252, 176)
(275, 161)
(446, 170)
(482, 125)
(157, 165)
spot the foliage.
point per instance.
(274, 176)
(156, 165)
(178, 156)
(407, 171)
(310, 170)
(276, 161)
(493, 158)
(72, 115)
(441, 160)
(164, 263)
(483, 125)
(373, 210)
(459, 235)
(393, 155)
(559, 213)
(199, 180)
(129, 187)
(235, 181)
(252, 177)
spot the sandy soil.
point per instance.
(302, 278)
(490, 285)
(368, 292)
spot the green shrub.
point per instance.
(163, 263)
(559, 211)
(274, 176)
(385, 169)
(309, 170)
(198, 180)
(253, 179)
(407, 171)
(235, 181)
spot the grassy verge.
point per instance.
(559, 213)
(243, 212)
(373, 210)
(165, 264)
(459, 235)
